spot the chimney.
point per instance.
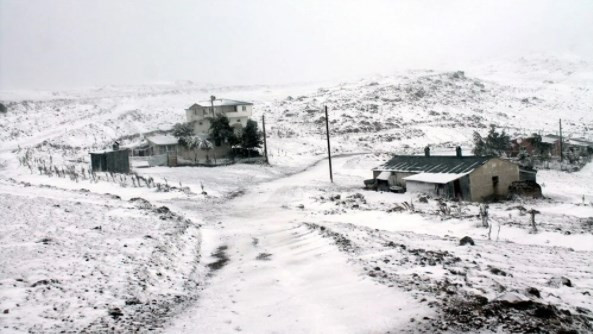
(458, 151)
(427, 151)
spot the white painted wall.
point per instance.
(421, 187)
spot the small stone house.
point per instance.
(468, 178)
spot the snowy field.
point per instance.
(280, 249)
(78, 261)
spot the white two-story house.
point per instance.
(199, 114)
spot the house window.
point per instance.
(238, 121)
(495, 181)
(236, 108)
(244, 108)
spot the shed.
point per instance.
(162, 144)
(112, 161)
(470, 178)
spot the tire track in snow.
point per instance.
(301, 284)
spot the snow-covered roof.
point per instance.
(550, 139)
(582, 143)
(162, 140)
(440, 178)
(222, 102)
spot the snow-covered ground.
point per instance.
(76, 260)
(263, 249)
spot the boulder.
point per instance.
(515, 300)
(533, 291)
(466, 240)
(558, 282)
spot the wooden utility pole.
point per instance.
(561, 148)
(329, 150)
(212, 98)
(263, 122)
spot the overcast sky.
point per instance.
(58, 43)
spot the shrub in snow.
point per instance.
(466, 240)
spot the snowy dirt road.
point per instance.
(273, 274)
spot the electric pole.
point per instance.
(561, 153)
(212, 98)
(329, 151)
(263, 122)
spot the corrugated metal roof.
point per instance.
(432, 164)
(440, 178)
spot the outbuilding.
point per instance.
(162, 144)
(470, 178)
(117, 161)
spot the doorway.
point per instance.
(457, 189)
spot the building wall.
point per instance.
(481, 179)
(162, 149)
(239, 120)
(435, 189)
(201, 127)
(396, 178)
(114, 161)
(422, 187)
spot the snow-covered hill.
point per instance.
(383, 114)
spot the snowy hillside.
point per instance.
(384, 114)
(278, 248)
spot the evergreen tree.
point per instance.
(496, 143)
(221, 131)
(479, 145)
(251, 137)
(184, 133)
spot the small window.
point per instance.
(238, 121)
(236, 108)
(244, 108)
(495, 181)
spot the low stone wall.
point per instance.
(201, 156)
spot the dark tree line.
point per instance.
(221, 132)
